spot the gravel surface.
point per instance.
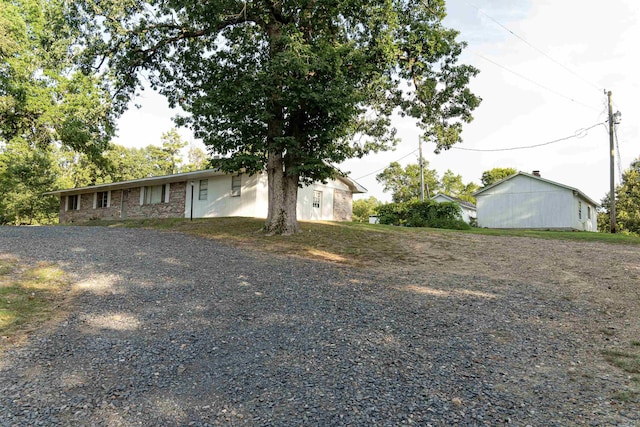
(167, 329)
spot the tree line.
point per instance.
(404, 185)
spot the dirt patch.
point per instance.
(603, 279)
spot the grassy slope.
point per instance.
(344, 242)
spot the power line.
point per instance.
(381, 169)
(536, 83)
(599, 89)
(580, 133)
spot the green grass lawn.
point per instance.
(29, 296)
(561, 235)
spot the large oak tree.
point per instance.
(290, 86)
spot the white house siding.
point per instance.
(262, 195)
(253, 200)
(305, 209)
(219, 201)
(522, 202)
(466, 212)
(581, 221)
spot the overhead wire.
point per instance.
(536, 83)
(580, 133)
(381, 169)
(590, 83)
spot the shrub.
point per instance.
(423, 214)
(392, 213)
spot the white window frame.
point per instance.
(203, 192)
(588, 212)
(236, 186)
(95, 199)
(66, 206)
(147, 191)
(317, 199)
(579, 209)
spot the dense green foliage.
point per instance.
(422, 214)
(404, 183)
(452, 185)
(627, 203)
(364, 208)
(44, 98)
(26, 173)
(45, 103)
(496, 174)
(290, 87)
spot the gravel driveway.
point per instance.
(167, 329)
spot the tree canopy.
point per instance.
(44, 98)
(404, 183)
(287, 86)
(627, 203)
(46, 104)
(364, 208)
(452, 185)
(496, 174)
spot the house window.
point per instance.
(579, 210)
(102, 199)
(203, 189)
(236, 186)
(588, 212)
(73, 202)
(154, 194)
(317, 199)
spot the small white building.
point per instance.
(202, 194)
(467, 209)
(529, 201)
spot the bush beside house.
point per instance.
(423, 214)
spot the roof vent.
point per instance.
(536, 173)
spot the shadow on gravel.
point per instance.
(173, 330)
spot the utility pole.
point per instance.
(612, 190)
(421, 170)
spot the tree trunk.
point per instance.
(283, 188)
(283, 198)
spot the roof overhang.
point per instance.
(155, 180)
(354, 187)
(575, 191)
(464, 203)
(352, 184)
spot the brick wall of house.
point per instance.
(173, 209)
(87, 212)
(342, 205)
(129, 207)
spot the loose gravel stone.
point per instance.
(168, 329)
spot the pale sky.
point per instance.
(547, 87)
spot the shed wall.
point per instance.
(523, 202)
